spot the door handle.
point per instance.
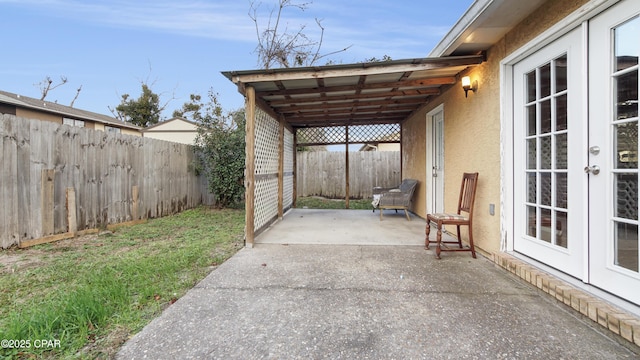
(594, 169)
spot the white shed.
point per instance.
(176, 129)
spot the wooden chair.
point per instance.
(465, 204)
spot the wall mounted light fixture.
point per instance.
(467, 85)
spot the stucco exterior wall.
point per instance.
(388, 147)
(176, 130)
(472, 130)
(31, 114)
(179, 137)
(130, 132)
(40, 115)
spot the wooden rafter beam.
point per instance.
(384, 118)
(351, 105)
(377, 95)
(427, 82)
(352, 69)
(342, 122)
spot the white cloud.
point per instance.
(220, 20)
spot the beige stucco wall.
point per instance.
(179, 137)
(176, 130)
(389, 147)
(32, 114)
(174, 125)
(40, 115)
(129, 132)
(472, 130)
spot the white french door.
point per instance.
(576, 145)
(614, 48)
(437, 196)
(548, 147)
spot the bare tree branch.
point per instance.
(76, 97)
(46, 85)
(278, 46)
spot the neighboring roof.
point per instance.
(363, 93)
(65, 111)
(482, 25)
(167, 122)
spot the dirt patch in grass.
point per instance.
(12, 260)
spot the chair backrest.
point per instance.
(468, 193)
(408, 186)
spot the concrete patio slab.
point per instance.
(345, 227)
(301, 301)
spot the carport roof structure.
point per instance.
(332, 99)
(385, 92)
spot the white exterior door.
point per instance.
(549, 141)
(614, 48)
(437, 169)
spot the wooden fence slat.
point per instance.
(35, 174)
(23, 177)
(48, 198)
(71, 211)
(6, 241)
(8, 183)
(10, 159)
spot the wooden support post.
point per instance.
(72, 221)
(295, 166)
(135, 198)
(281, 169)
(401, 175)
(346, 160)
(47, 190)
(250, 167)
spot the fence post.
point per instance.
(47, 210)
(71, 211)
(134, 202)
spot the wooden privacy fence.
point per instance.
(322, 173)
(57, 180)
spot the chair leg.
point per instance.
(438, 240)
(473, 249)
(459, 237)
(427, 231)
(406, 213)
(380, 209)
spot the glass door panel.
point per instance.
(548, 138)
(613, 107)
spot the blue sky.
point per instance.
(180, 47)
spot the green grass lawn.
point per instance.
(315, 202)
(92, 293)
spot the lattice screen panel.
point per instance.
(357, 134)
(265, 202)
(267, 139)
(266, 164)
(287, 196)
(288, 151)
(374, 133)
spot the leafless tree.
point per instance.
(47, 85)
(278, 46)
